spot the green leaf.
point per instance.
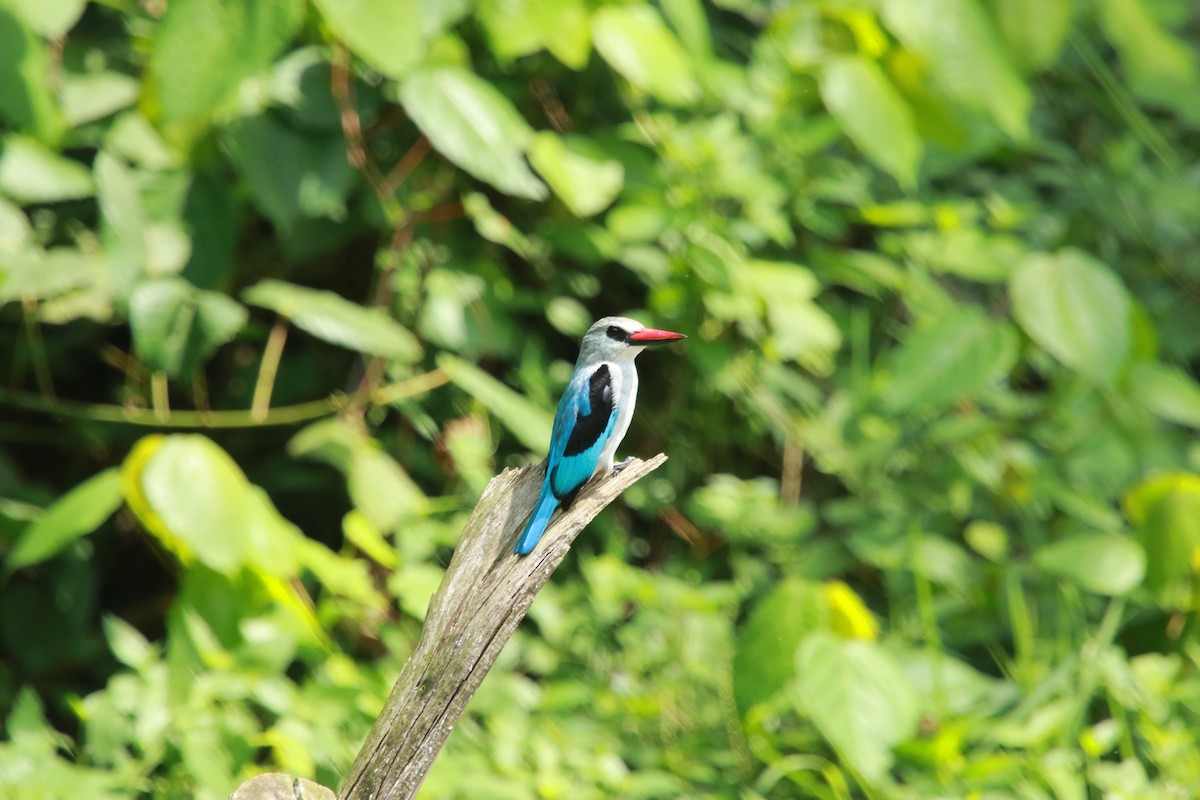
(1167, 391)
(518, 28)
(378, 485)
(964, 51)
(636, 43)
(291, 175)
(124, 222)
(26, 98)
(1034, 30)
(206, 504)
(1166, 512)
(96, 95)
(177, 327)
(858, 698)
(1076, 308)
(471, 123)
(127, 643)
(1103, 563)
(43, 276)
(78, 512)
(529, 423)
(48, 18)
(15, 230)
(957, 356)
(205, 48)
(1162, 67)
(765, 659)
(579, 173)
(334, 319)
(29, 173)
(874, 115)
(387, 34)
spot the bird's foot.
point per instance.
(620, 465)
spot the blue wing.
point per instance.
(585, 419)
(583, 423)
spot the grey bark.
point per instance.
(483, 596)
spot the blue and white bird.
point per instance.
(592, 415)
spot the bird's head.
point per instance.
(611, 338)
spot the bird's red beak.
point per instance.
(655, 336)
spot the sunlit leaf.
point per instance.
(957, 39)
(334, 319)
(1034, 30)
(206, 48)
(857, 697)
(582, 177)
(517, 28)
(201, 500)
(29, 173)
(1104, 563)
(77, 513)
(1167, 391)
(387, 34)
(48, 18)
(873, 114)
(471, 123)
(529, 423)
(765, 659)
(1163, 69)
(1076, 308)
(636, 43)
(1165, 510)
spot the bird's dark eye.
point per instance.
(620, 334)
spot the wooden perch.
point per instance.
(483, 596)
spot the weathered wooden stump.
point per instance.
(483, 597)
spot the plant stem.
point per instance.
(264, 386)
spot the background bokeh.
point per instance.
(284, 283)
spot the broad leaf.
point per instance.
(124, 222)
(873, 114)
(48, 18)
(387, 34)
(966, 56)
(636, 43)
(1104, 563)
(96, 95)
(1166, 512)
(197, 500)
(1076, 308)
(1034, 30)
(1167, 391)
(291, 175)
(858, 698)
(765, 659)
(177, 327)
(530, 424)
(517, 28)
(206, 48)
(959, 355)
(29, 173)
(471, 123)
(77, 513)
(26, 98)
(336, 320)
(578, 172)
(1162, 68)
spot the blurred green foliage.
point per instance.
(283, 284)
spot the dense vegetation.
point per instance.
(283, 284)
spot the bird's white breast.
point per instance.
(625, 386)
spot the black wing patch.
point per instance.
(589, 427)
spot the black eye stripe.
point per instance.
(620, 334)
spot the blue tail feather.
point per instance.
(547, 504)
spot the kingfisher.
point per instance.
(593, 415)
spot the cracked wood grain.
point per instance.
(484, 595)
